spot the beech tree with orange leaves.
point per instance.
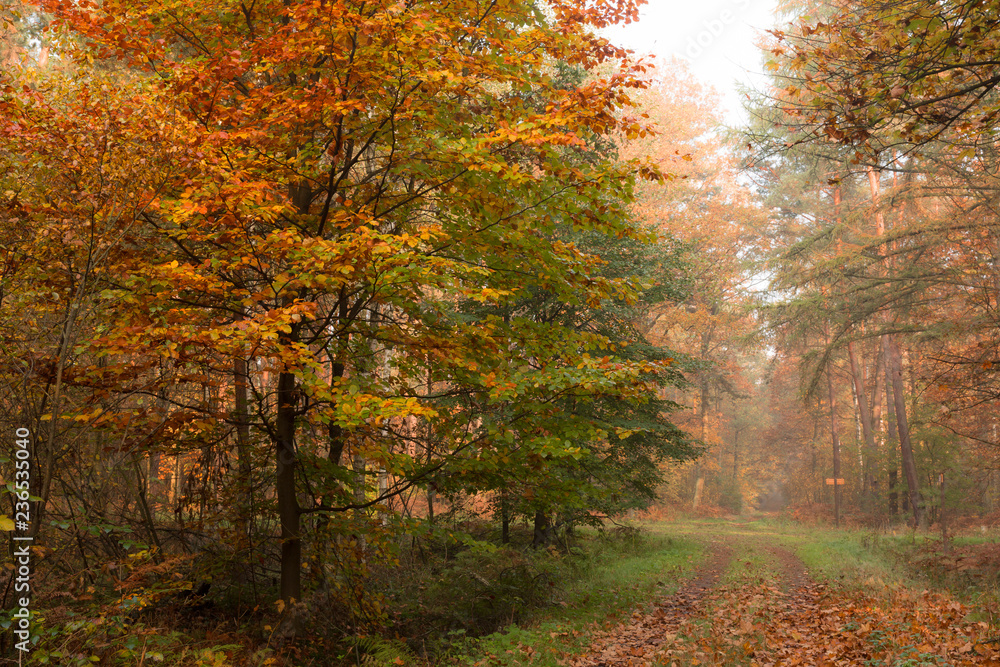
(253, 225)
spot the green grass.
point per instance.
(872, 560)
(748, 565)
(842, 557)
(852, 559)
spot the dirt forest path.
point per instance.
(752, 602)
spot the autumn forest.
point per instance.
(343, 332)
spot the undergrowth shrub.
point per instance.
(478, 591)
(730, 497)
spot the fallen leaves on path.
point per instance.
(861, 628)
(761, 622)
(638, 641)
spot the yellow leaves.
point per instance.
(6, 523)
(354, 407)
(89, 416)
(488, 294)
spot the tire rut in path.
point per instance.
(635, 641)
(799, 595)
(809, 623)
(800, 589)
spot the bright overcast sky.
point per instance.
(716, 38)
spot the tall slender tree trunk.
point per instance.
(147, 516)
(890, 350)
(706, 341)
(429, 448)
(893, 438)
(360, 484)
(834, 440)
(736, 453)
(336, 435)
(812, 451)
(866, 426)
(878, 425)
(902, 425)
(893, 489)
(289, 512)
(383, 491)
(178, 486)
(504, 518)
(943, 516)
(288, 505)
(699, 484)
(244, 514)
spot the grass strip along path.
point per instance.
(753, 602)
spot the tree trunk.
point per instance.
(812, 452)
(943, 519)
(504, 519)
(699, 484)
(894, 377)
(878, 426)
(893, 493)
(429, 448)
(736, 453)
(288, 506)
(147, 516)
(289, 513)
(178, 486)
(543, 530)
(902, 425)
(893, 437)
(360, 465)
(699, 487)
(866, 426)
(245, 514)
(877, 392)
(383, 491)
(835, 441)
(706, 343)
